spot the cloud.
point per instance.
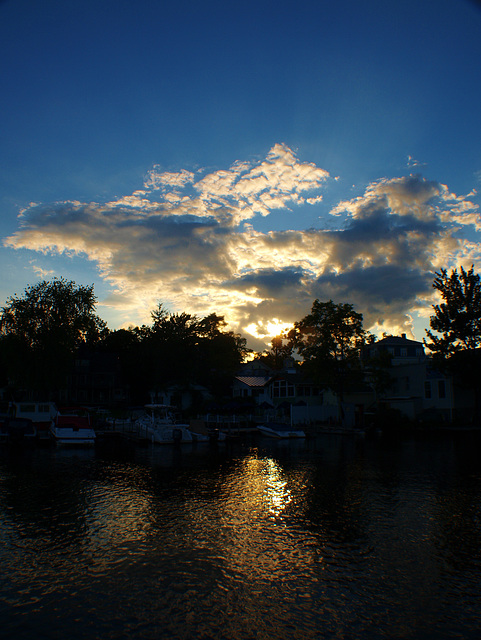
(189, 239)
(411, 162)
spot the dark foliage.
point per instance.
(41, 331)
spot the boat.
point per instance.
(72, 429)
(280, 430)
(159, 425)
(40, 414)
(17, 431)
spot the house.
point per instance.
(412, 385)
(400, 349)
(285, 395)
(251, 382)
(185, 397)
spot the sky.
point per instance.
(242, 158)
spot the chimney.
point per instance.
(403, 335)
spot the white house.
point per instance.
(416, 388)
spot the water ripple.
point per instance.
(327, 540)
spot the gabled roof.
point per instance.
(253, 381)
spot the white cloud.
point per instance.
(189, 239)
(41, 272)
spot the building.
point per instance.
(412, 385)
(285, 395)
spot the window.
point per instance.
(282, 389)
(441, 388)
(427, 389)
(27, 408)
(404, 351)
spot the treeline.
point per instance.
(54, 323)
(43, 331)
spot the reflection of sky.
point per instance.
(255, 534)
(122, 514)
(266, 488)
(276, 493)
(350, 542)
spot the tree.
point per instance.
(185, 350)
(219, 354)
(329, 339)
(281, 349)
(457, 320)
(41, 331)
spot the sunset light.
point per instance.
(270, 330)
(340, 167)
(240, 319)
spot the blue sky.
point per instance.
(243, 158)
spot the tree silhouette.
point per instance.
(281, 349)
(457, 320)
(41, 331)
(458, 317)
(330, 339)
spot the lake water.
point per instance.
(334, 537)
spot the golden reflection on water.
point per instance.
(255, 537)
(256, 491)
(267, 485)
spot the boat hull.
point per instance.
(158, 425)
(273, 430)
(18, 431)
(70, 437)
(173, 435)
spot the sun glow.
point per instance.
(269, 329)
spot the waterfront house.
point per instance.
(412, 385)
(186, 397)
(287, 394)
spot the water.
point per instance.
(332, 538)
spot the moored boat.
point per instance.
(159, 426)
(280, 430)
(72, 429)
(40, 414)
(17, 431)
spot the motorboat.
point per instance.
(280, 430)
(72, 429)
(17, 431)
(40, 414)
(159, 425)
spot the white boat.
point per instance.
(41, 415)
(72, 429)
(280, 430)
(159, 426)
